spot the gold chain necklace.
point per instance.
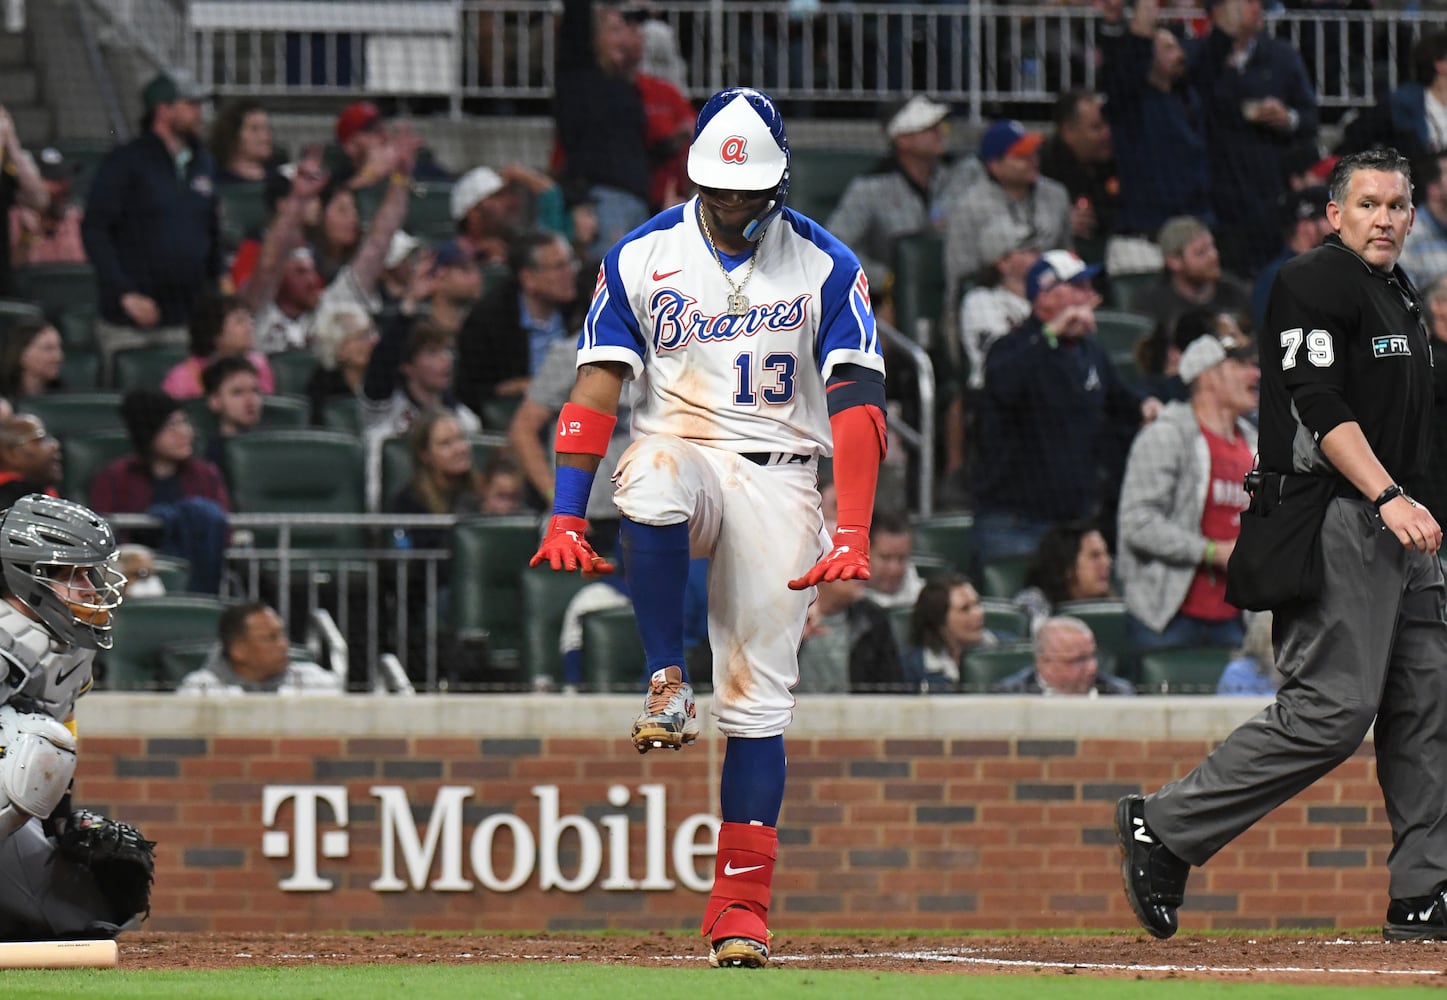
(738, 303)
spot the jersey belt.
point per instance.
(774, 458)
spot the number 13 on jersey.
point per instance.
(774, 381)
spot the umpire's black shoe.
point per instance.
(1418, 918)
(1155, 879)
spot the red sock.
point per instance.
(743, 871)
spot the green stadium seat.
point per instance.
(58, 289)
(144, 366)
(545, 597)
(85, 454)
(277, 413)
(174, 571)
(613, 658)
(899, 619)
(919, 285)
(14, 310)
(949, 536)
(429, 212)
(1126, 288)
(77, 328)
(1118, 332)
(1004, 577)
(984, 668)
(76, 412)
(1107, 620)
(243, 210)
(497, 413)
(291, 370)
(489, 556)
(80, 371)
(819, 177)
(344, 414)
(397, 460)
(145, 626)
(1188, 670)
(1005, 619)
(299, 470)
(928, 565)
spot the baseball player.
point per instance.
(747, 333)
(63, 873)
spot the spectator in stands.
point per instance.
(241, 143)
(338, 232)
(446, 285)
(948, 621)
(1066, 663)
(409, 372)
(1012, 187)
(1051, 398)
(997, 304)
(485, 210)
(251, 656)
(49, 234)
(345, 337)
(911, 190)
(1158, 356)
(1303, 226)
(399, 271)
(848, 645)
(164, 477)
(138, 566)
(1156, 121)
(1080, 157)
(303, 180)
(1424, 254)
(1181, 503)
(373, 153)
(21, 185)
(30, 459)
(233, 395)
(602, 125)
(1252, 669)
(1413, 118)
(893, 580)
(286, 291)
(31, 360)
(1193, 275)
(444, 478)
(1259, 107)
(220, 327)
(1071, 564)
(504, 488)
(1432, 489)
(151, 227)
(507, 334)
(531, 433)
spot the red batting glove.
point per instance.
(565, 548)
(848, 560)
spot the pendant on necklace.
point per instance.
(738, 304)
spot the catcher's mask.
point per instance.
(60, 560)
(739, 144)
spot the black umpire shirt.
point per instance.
(1343, 341)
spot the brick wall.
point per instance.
(946, 829)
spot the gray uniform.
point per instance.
(42, 895)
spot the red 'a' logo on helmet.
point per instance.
(732, 150)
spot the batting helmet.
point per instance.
(739, 144)
(59, 559)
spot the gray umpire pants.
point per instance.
(1373, 647)
(42, 895)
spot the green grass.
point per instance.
(549, 981)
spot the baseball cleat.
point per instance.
(669, 717)
(738, 953)
(1420, 918)
(1155, 879)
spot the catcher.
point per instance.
(63, 873)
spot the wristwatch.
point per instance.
(1390, 493)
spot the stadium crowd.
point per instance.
(219, 287)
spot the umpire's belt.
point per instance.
(775, 458)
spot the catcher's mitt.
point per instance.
(122, 861)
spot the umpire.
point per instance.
(1345, 558)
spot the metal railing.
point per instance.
(979, 55)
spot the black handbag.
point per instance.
(1277, 560)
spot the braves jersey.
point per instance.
(747, 383)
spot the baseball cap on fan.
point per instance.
(357, 117)
(1205, 353)
(167, 89)
(916, 115)
(475, 185)
(1055, 267)
(1008, 137)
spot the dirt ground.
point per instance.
(1310, 958)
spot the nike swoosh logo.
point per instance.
(729, 868)
(666, 274)
(60, 678)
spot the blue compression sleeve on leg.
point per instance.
(655, 562)
(751, 788)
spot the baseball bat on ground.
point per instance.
(59, 955)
